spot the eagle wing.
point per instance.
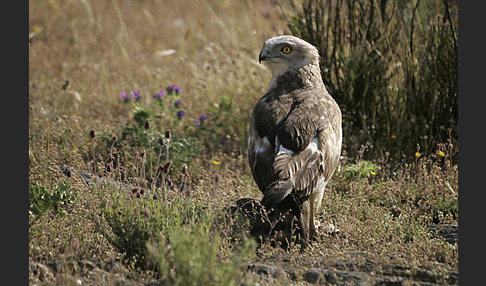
(293, 144)
(309, 148)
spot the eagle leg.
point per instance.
(310, 221)
(304, 224)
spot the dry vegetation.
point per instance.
(84, 54)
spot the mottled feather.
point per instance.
(295, 132)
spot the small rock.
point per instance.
(312, 276)
(447, 231)
(389, 281)
(273, 271)
(323, 276)
(42, 272)
(426, 276)
(452, 277)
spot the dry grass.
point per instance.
(103, 52)
(105, 47)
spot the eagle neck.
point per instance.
(296, 77)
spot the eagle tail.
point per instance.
(300, 169)
(276, 192)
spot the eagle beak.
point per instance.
(263, 55)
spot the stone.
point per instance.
(41, 272)
(323, 276)
(272, 271)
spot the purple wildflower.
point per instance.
(223, 141)
(136, 95)
(166, 167)
(198, 123)
(203, 117)
(159, 95)
(177, 103)
(125, 97)
(180, 113)
(173, 88)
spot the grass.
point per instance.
(84, 54)
(392, 68)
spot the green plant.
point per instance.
(222, 129)
(191, 256)
(392, 68)
(41, 200)
(133, 139)
(360, 170)
(146, 145)
(135, 218)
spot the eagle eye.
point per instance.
(286, 50)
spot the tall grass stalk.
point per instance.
(392, 68)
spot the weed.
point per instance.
(41, 200)
(191, 256)
(135, 218)
(362, 169)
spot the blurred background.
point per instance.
(391, 65)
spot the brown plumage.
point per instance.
(295, 135)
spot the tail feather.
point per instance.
(300, 169)
(276, 192)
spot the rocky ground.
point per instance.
(343, 273)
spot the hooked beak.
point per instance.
(264, 55)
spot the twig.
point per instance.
(449, 19)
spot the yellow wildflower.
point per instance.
(441, 154)
(394, 136)
(373, 173)
(216, 163)
(417, 154)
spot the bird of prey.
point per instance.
(295, 136)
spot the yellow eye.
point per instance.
(286, 49)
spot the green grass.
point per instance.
(87, 52)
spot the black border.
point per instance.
(472, 76)
(15, 144)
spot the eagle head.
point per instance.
(287, 52)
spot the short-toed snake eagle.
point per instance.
(295, 134)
